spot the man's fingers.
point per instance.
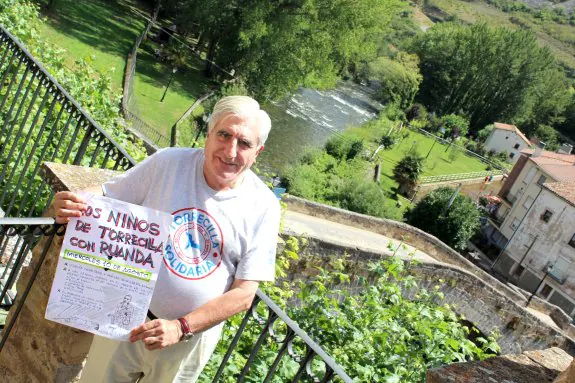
(68, 195)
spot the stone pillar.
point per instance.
(38, 350)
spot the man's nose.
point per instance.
(231, 149)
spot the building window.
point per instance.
(515, 224)
(545, 291)
(516, 146)
(511, 155)
(541, 180)
(560, 269)
(572, 241)
(545, 217)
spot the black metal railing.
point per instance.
(34, 231)
(24, 234)
(307, 359)
(40, 121)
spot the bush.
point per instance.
(407, 171)
(454, 125)
(453, 224)
(362, 196)
(344, 148)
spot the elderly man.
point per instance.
(223, 243)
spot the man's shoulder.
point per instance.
(177, 153)
(259, 192)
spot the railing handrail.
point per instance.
(303, 335)
(68, 97)
(460, 176)
(27, 221)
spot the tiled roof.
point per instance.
(565, 190)
(512, 128)
(559, 166)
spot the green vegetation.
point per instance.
(101, 32)
(489, 74)
(325, 39)
(378, 334)
(93, 92)
(342, 174)
(453, 223)
(152, 77)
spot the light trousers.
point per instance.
(111, 361)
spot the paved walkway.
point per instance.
(301, 224)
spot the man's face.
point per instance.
(231, 148)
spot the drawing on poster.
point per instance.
(108, 266)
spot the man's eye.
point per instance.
(246, 144)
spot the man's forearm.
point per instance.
(236, 300)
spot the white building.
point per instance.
(535, 227)
(507, 138)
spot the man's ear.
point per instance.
(259, 150)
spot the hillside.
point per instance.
(550, 23)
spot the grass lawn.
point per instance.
(150, 83)
(102, 31)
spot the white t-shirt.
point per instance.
(214, 236)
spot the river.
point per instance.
(309, 117)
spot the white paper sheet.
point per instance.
(108, 267)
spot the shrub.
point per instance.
(344, 148)
(453, 224)
(407, 171)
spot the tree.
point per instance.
(488, 74)
(454, 125)
(484, 133)
(548, 135)
(453, 224)
(276, 46)
(407, 171)
(399, 78)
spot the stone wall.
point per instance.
(39, 350)
(399, 231)
(529, 367)
(479, 302)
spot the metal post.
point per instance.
(428, 153)
(169, 82)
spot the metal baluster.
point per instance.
(303, 365)
(79, 125)
(235, 341)
(272, 316)
(19, 134)
(26, 246)
(25, 144)
(16, 98)
(12, 80)
(83, 145)
(54, 155)
(15, 119)
(3, 80)
(281, 352)
(99, 141)
(30, 183)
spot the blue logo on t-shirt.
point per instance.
(194, 249)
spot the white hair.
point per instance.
(243, 106)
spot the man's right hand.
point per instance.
(68, 205)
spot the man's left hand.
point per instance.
(157, 334)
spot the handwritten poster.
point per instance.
(108, 267)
